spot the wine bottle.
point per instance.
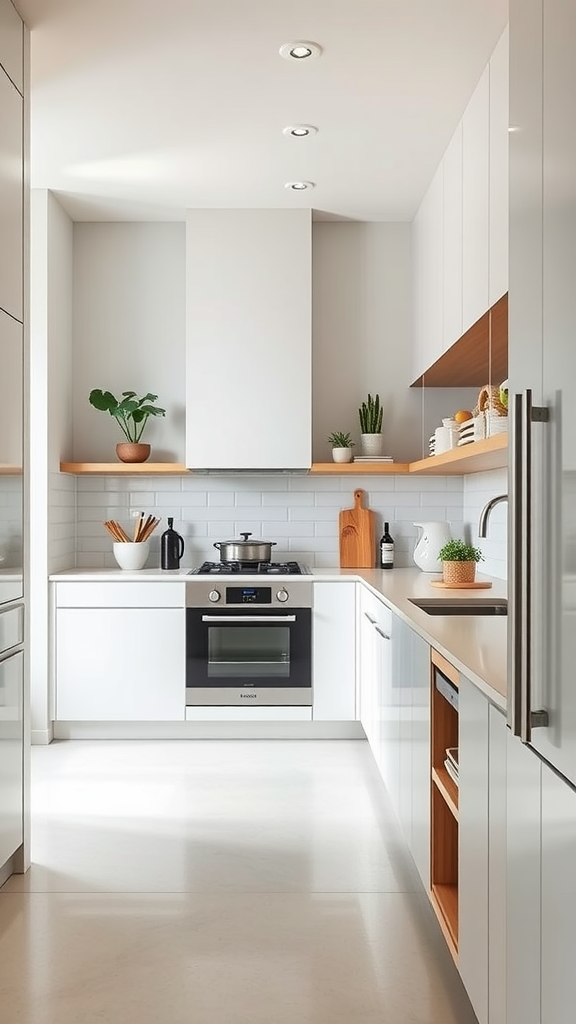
(386, 549)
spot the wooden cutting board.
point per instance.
(357, 535)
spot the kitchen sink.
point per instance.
(462, 606)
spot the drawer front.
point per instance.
(120, 595)
(11, 628)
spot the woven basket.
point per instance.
(489, 400)
(458, 572)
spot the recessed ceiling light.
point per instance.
(300, 131)
(300, 186)
(303, 49)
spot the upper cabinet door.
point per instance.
(11, 444)
(452, 288)
(11, 198)
(428, 276)
(12, 43)
(475, 203)
(248, 339)
(499, 120)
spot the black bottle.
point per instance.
(171, 548)
(386, 549)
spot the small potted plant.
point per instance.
(342, 445)
(459, 561)
(370, 415)
(132, 415)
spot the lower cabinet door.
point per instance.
(334, 626)
(120, 664)
(558, 899)
(11, 755)
(420, 775)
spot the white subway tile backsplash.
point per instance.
(299, 512)
(479, 488)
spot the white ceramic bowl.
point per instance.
(131, 556)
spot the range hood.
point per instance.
(248, 340)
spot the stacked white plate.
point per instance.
(471, 430)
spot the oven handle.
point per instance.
(248, 618)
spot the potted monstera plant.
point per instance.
(459, 561)
(132, 414)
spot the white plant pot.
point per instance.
(342, 454)
(131, 556)
(372, 444)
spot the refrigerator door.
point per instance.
(543, 644)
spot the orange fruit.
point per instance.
(462, 415)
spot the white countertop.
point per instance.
(475, 644)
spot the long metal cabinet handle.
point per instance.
(248, 619)
(515, 597)
(521, 718)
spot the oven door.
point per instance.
(238, 656)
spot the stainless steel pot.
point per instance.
(245, 550)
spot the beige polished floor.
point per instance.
(219, 882)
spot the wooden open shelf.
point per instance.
(448, 789)
(121, 468)
(492, 453)
(444, 805)
(360, 468)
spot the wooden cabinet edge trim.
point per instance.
(445, 666)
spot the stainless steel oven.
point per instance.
(249, 641)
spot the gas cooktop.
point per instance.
(251, 569)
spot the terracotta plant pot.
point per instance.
(458, 572)
(128, 452)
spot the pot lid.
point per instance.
(245, 542)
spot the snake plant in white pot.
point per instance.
(370, 414)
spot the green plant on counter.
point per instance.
(339, 439)
(459, 551)
(370, 413)
(132, 413)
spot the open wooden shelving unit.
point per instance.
(492, 453)
(444, 806)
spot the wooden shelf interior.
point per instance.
(479, 357)
(121, 468)
(491, 453)
(444, 803)
(360, 468)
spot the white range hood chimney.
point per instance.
(248, 339)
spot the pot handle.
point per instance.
(217, 544)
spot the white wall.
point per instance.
(129, 326)
(478, 489)
(362, 324)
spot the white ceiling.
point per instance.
(142, 108)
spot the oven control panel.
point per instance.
(291, 594)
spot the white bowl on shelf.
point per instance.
(130, 555)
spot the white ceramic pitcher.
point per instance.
(431, 539)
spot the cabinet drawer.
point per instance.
(11, 628)
(120, 595)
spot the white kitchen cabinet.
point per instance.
(401, 720)
(498, 185)
(11, 755)
(334, 651)
(388, 730)
(248, 339)
(428, 276)
(12, 43)
(367, 667)
(11, 197)
(473, 731)
(119, 651)
(523, 863)
(475, 203)
(420, 774)
(452, 241)
(497, 739)
(558, 899)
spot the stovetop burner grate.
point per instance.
(249, 569)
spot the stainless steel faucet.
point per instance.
(486, 511)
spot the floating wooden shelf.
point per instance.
(122, 468)
(8, 470)
(491, 453)
(360, 468)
